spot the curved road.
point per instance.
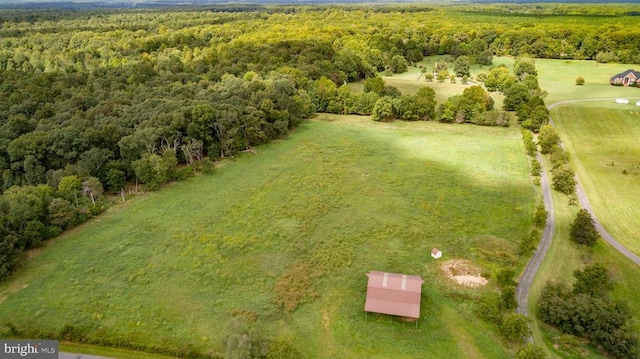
(584, 201)
(522, 291)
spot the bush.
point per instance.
(282, 349)
(514, 326)
(529, 242)
(536, 167)
(508, 298)
(601, 320)
(531, 351)
(293, 287)
(540, 216)
(548, 138)
(580, 81)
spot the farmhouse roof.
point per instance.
(394, 294)
(624, 74)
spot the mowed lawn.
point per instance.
(342, 195)
(558, 78)
(602, 138)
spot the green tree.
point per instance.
(116, 180)
(10, 254)
(92, 188)
(498, 79)
(383, 110)
(515, 96)
(485, 58)
(580, 81)
(548, 138)
(540, 215)
(61, 213)
(514, 326)
(529, 242)
(70, 186)
(564, 180)
(593, 280)
(524, 66)
(419, 107)
(398, 64)
(508, 299)
(461, 66)
(583, 230)
(374, 84)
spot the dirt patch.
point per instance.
(325, 320)
(464, 273)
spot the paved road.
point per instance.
(522, 291)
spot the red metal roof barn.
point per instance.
(394, 294)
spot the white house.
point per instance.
(638, 103)
(436, 253)
(622, 100)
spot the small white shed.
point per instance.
(622, 100)
(436, 253)
(638, 103)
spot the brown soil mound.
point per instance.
(464, 273)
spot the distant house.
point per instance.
(627, 78)
(622, 100)
(394, 294)
(436, 253)
(638, 103)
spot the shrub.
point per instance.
(536, 167)
(548, 138)
(282, 349)
(540, 216)
(531, 351)
(508, 298)
(514, 326)
(580, 81)
(529, 242)
(293, 287)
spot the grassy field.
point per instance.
(558, 78)
(602, 138)
(342, 196)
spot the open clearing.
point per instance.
(342, 196)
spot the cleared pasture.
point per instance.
(343, 195)
(602, 138)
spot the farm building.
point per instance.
(622, 100)
(627, 78)
(638, 103)
(394, 294)
(436, 253)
